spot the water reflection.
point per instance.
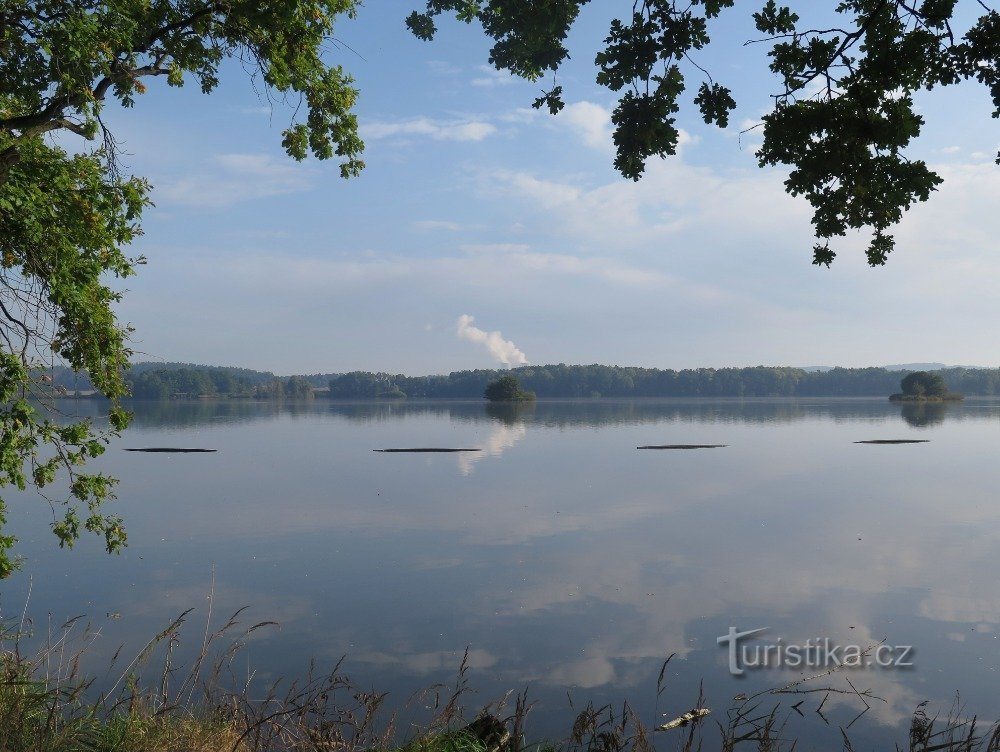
(508, 429)
(511, 413)
(924, 414)
(554, 413)
(560, 555)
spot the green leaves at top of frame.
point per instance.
(847, 161)
(529, 35)
(843, 114)
(775, 20)
(62, 58)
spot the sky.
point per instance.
(485, 233)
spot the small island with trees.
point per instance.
(922, 386)
(507, 389)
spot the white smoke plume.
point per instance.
(502, 349)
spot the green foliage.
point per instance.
(507, 389)
(191, 381)
(66, 217)
(363, 385)
(63, 58)
(47, 706)
(923, 383)
(163, 383)
(451, 741)
(843, 114)
(298, 387)
(293, 388)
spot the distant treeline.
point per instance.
(216, 379)
(157, 381)
(179, 380)
(569, 381)
(215, 382)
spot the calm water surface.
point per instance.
(562, 557)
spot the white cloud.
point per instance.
(503, 350)
(951, 150)
(671, 204)
(520, 115)
(492, 77)
(436, 224)
(440, 130)
(443, 68)
(548, 193)
(590, 122)
(562, 265)
(472, 131)
(495, 247)
(685, 139)
(480, 266)
(235, 178)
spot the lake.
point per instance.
(562, 557)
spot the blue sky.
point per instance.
(473, 204)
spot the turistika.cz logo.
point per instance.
(818, 653)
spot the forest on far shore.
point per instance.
(186, 380)
(586, 381)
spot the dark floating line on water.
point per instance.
(171, 449)
(894, 441)
(683, 446)
(427, 449)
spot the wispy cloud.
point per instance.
(495, 247)
(235, 178)
(673, 199)
(481, 266)
(443, 68)
(436, 224)
(521, 115)
(548, 193)
(492, 77)
(440, 130)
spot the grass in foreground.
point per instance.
(46, 706)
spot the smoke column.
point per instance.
(502, 349)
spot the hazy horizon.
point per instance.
(929, 365)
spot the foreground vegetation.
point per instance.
(47, 706)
